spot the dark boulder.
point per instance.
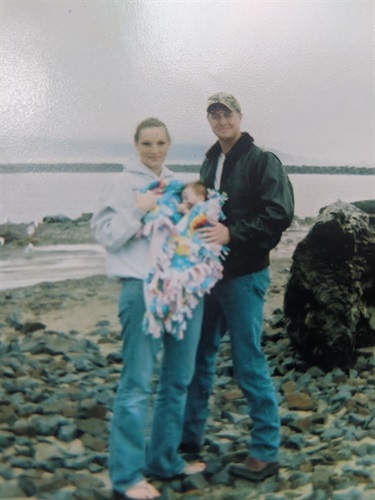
(59, 218)
(329, 302)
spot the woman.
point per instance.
(115, 226)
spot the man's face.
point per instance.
(225, 124)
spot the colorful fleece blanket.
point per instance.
(182, 266)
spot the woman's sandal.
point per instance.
(140, 491)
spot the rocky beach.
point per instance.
(60, 362)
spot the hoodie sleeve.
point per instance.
(117, 219)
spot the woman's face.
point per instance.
(153, 145)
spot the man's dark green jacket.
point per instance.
(260, 204)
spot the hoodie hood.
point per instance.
(138, 168)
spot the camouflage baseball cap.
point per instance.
(226, 100)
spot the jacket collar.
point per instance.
(242, 145)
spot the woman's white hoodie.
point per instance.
(117, 221)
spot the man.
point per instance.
(259, 208)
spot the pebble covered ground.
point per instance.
(59, 366)
(58, 389)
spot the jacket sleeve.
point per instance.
(274, 207)
(117, 219)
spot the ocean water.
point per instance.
(30, 197)
(27, 267)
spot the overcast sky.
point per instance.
(77, 76)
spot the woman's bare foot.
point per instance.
(141, 491)
(194, 468)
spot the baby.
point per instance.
(194, 192)
(182, 267)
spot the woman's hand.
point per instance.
(217, 233)
(182, 208)
(145, 201)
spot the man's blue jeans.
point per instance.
(127, 447)
(236, 305)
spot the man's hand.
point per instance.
(218, 233)
(146, 201)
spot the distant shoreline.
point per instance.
(22, 168)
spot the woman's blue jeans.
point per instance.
(236, 305)
(128, 458)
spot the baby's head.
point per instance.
(193, 193)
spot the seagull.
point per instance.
(29, 250)
(2, 241)
(31, 228)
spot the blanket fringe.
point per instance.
(183, 268)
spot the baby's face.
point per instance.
(190, 197)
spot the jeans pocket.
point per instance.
(261, 282)
(129, 294)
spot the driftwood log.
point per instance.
(329, 302)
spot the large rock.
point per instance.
(329, 302)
